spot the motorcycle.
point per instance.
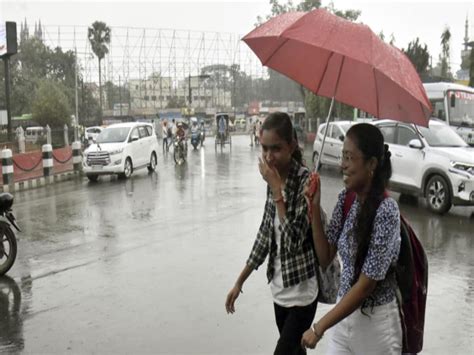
(8, 245)
(180, 151)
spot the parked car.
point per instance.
(433, 162)
(91, 133)
(334, 140)
(121, 149)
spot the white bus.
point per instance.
(453, 104)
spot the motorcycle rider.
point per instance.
(195, 130)
(181, 135)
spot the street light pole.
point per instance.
(189, 93)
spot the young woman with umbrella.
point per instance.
(366, 318)
(283, 235)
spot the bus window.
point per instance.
(438, 109)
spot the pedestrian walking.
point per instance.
(284, 235)
(167, 135)
(365, 320)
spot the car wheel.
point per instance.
(315, 159)
(438, 195)
(93, 177)
(152, 166)
(127, 170)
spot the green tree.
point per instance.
(88, 105)
(418, 55)
(116, 93)
(50, 106)
(445, 54)
(99, 38)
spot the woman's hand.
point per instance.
(270, 174)
(231, 297)
(309, 339)
(312, 192)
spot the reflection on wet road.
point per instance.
(144, 265)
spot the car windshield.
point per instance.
(345, 127)
(441, 136)
(462, 113)
(113, 135)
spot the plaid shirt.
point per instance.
(297, 254)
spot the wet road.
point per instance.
(144, 265)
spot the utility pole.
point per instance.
(6, 60)
(120, 96)
(75, 87)
(9, 31)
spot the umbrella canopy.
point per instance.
(343, 60)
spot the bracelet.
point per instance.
(279, 199)
(319, 336)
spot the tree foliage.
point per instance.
(36, 62)
(445, 54)
(50, 105)
(418, 55)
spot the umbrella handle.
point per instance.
(316, 167)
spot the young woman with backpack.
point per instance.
(366, 318)
(283, 236)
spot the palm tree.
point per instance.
(445, 47)
(99, 38)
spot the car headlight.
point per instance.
(468, 168)
(116, 151)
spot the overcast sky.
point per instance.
(405, 19)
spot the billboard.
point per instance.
(3, 39)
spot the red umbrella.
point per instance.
(342, 60)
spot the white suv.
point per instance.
(435, 163)
(120, 149)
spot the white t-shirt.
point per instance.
(299, 295)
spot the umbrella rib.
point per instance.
(324, 73)
(376, 93)
(276, 50)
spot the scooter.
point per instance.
(196, 139)
(8, 245)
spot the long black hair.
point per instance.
(369, 140)
(281, 123)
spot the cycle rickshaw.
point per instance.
(223, 135)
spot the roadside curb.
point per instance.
(41, 181)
